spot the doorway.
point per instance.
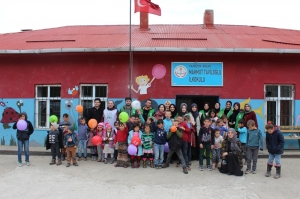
(197, 99)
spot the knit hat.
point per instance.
(55, 125)
(107, 125)
(101, 124)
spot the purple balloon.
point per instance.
(22, 125)
(132, 149)
(167, 147)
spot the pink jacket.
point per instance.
(108, 139)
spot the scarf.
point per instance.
(174, 113)
(195, 113)
(233, 140)
(183, 113)
(250, 110)
(235, 112)
(160, 114)
(217, 110)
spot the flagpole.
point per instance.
(130, 53)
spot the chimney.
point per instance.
(144, 21)
(208, 19)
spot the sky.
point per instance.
(41, 14)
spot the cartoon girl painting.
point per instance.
(144, 84)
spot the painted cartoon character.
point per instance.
(9, 114)
(73, 92)
(144, 84)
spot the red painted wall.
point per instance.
(244, 74)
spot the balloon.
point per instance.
(136, 104)
(123, 117)
(97, 140)
(92, 123)
(21, 125)
(158, 71)
(167, 147)
(79, 108)
(132, 150)
(136, 141)
(53, 119)
(173, 129)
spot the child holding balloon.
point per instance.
(90, 145)
(108, 139)
(147, 139)
(121, 139)
(100, 132)
(135, 137)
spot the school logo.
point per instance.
(180, 71)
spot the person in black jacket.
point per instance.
(275, 144)
(95, 112)
(23, 139)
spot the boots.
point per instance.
(278, 169)
(144, 163)
(53, 162)
(151, 164)
(58, 162)
(269, 168)
(63, 158)
(138, 163)
(132, 164)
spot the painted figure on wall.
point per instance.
(74, 92)
(9, 114)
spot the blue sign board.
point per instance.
(197, 74)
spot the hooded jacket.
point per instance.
(24, 135)
(275, 142)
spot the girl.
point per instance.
(117, 127)
(100, 132)
(108, 139)
(173, 111)
(90, 144)
(204, 113)
(217, 108)
(213, 118)
(167, 105)
(236, 116)
(121, 139)
(136, 132)
(160, 113)
(147, 139)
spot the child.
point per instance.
(108, 139)
(207, 141)
(167, 126)
(216, 150)
(71, 142)
(186, 131)
(242, 131)
(53, 139)
(100, 132)
(82, 136)
(117, 127)
(254, 142)
(175, 144)
(23, 139)
(90, 145)
(275, 144)
(147, 140)
(64, 128)
(225, 121)
(213, 118)
(223, 130)
(160, 139)
(136, 132)
(121, 139)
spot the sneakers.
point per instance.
(105, 161)
(160, 166)
(68, 165)
(213, 166)
(209, 167)
(28, 163)
(85, 159)
(185, 171)
(75, 164)
(156, 166)
(58, 162)
(20, 164)
(53, 162)
(253, 172)
(247, 171)
(79, 158)
(165, 165)
(201, 168)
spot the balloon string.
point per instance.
(152, 80)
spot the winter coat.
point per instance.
(275, 142)
(90, 137)
(175, 140)
(140, 148)
(226, 148)
(108, 139)
(250, 116)
(24, 135)
(60, 139)
(74, 138)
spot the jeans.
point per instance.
(207, 155)
(22, 143)
(216, 155)
(82, 146)
(277, 158)
(252, 154)
(179, 154)
(100, 152)
(159, 153)
(55, 151)
(189, 152)
(184, 149)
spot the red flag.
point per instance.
(146, 6)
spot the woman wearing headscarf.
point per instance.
(197, 126)
(173, 111)
(231, 153)
(226, 111)
(217, 108)
(237, 115)
(249, 115)
(204, 113)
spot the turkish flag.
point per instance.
(146, 6)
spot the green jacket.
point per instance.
(238, 118)
(131, 111)
(150, 114)
(221, 113)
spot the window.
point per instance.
(88, 92)
(48, 100)
(279, 103)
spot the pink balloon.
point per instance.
(159, 71)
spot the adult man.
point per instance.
(147, 110)
(226, 111)
(110, 114)
(95, 112)
(128, 108)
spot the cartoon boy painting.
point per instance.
(142, 81)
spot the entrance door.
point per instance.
(197, 99)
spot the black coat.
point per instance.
(60, 139)
(24, 135)
(275, 142)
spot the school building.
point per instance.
(50, 71)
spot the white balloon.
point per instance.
(136, 104)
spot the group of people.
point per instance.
(225, 136)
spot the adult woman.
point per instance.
(167, 105)
(204, 113)
(160, 113)
(236, 116)
(231, 155)
(226, 111)
(173, 111)
(197, 126)
(249, 115)
(217, 108)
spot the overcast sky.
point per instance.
(40, 14)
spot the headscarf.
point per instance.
(174, 113)
(217, 110)
(250, 110)
(233, 140)
(195, 113)
(206, 110)
(235, 112)
(180, 111)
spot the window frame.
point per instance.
(92, 98)
(47, 99)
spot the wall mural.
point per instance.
(10, 115)
(71, 112)
(74, 91)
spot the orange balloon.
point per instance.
(79, 108)
(92, 123)
(173, 129)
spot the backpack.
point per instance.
(175, 142)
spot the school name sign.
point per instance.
(197, 74)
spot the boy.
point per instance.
(54, 137)
(275, 143)
(167, 126)
(242, 131)
(207, 141)
(223, 130)
(71, 142)
(23, 139)
(254, 142)
(160, 139)
(186, 131)
(175, 143)
(63, 126)
(216, 150)
(82, 137)
(224, 119)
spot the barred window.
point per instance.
(47, 103)
(279, 101)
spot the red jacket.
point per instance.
(121, 136)
(186, 133)
(250, 116)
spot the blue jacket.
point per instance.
(243, 135)
(82, 131)
(254, 138)
(140, 147)
(160, 135)
(167, 124)
(275, 142)
(74, 138)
